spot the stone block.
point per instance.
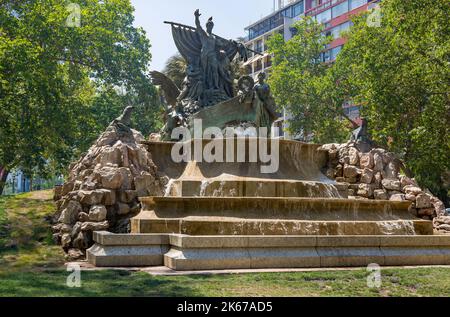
(350, 256)
(126, 256)
(423, 201)
(397, 256)
(347, 241)
(366, 161)
(128, 196)
(92, 197)
(391, 184)
(94, 226)
(283, 258)
(70, 214)
(97, 213)
(110, 239)
(109, 197)
(380, 194)
(207, 259)
(412, 190)
(111, 177)
(351, 171)
(367, 176)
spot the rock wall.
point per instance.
(376, 175)
(102, 189)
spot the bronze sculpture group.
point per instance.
(209, 79)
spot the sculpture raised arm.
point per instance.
(197, 21)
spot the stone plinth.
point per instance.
(182, 252)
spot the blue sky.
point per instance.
(230, 16)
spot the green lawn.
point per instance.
(31, 266)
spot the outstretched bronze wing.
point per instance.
(171, 91)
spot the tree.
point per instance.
(300, 81)
(399, 72)
(175, 69)
(55, 65)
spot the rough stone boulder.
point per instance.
(103, 187)
(376, 174)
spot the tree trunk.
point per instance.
(31, 183)
(3, 176)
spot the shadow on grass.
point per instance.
(93, 284)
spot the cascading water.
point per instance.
(259, 190)
(331, 191)
(220, 191)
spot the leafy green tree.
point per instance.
(399, 72)
(175, 69)
(56, 65)
(301, 83)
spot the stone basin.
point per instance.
(297, 161)
(236, 198)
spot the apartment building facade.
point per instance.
(334, 14)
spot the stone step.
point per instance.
(183, 252)
(220, 226)
(238, 187)
(276, 216)
(275, 208)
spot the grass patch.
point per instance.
(25, 235)
(30, 265)
(109, 283)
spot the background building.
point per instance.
(17, 183)
(334, 14)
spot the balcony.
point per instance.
(330, 3)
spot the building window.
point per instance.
(337, 30)
(266, 26)
(288, 13)
(250, 53)
(357, 3)
(339, 10)
(324, 16)
(325, 56)
(268, 61)
(352, 112)
(259, 46)
(249, 69)
(258, 66)
(298, 9)
(335, 51)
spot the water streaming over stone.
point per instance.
(219, 198)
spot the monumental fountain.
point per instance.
(261, 202)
